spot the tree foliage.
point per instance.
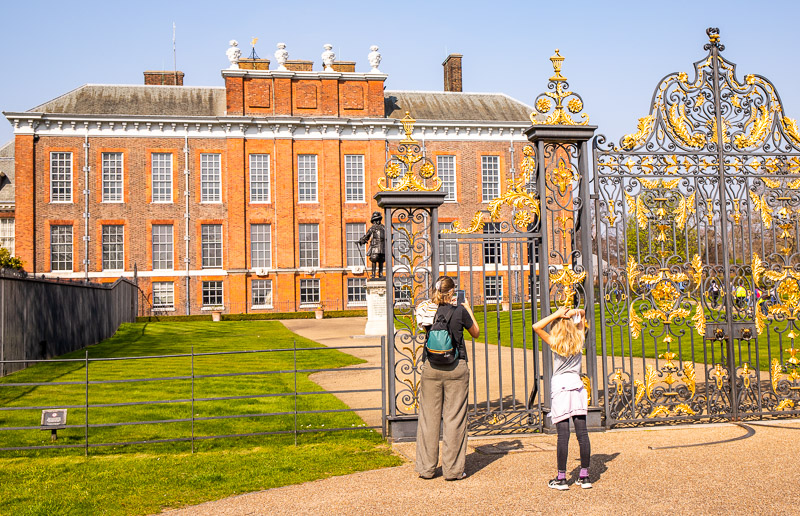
(9, 262)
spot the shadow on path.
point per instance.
(597, 466)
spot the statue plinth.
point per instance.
(376, 307)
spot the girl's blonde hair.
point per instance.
(567, 338)
(443, 290)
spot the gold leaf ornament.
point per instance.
(678, 122)
(643, 130)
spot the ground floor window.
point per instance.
(356, 291)
(262, 293)
(163, 295)
(7, 234)
(309, 292)
(402, 289)
(212, 293)
(493, 288)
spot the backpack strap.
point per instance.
(446, 317)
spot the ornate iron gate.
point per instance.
(543, 215)
(698, 221)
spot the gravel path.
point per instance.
(755, 474)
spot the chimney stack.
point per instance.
(452, 72)
(163, 78)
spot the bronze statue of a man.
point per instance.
(376, 236)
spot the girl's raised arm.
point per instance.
(539, 326)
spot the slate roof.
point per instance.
(438, 105)
(7, 168)
(101, 99)
(98, 99)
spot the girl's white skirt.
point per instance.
(567, 403)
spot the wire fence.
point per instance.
(287, 378)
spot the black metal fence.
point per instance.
(42, 318)
(190, 402)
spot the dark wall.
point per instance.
(42, 319)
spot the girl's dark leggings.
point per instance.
(563, 441)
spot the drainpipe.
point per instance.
(186, 237)
(86, 237)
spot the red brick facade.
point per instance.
(279, 114)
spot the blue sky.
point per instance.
(615, 52)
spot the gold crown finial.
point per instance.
(557, 61)
(408, 128)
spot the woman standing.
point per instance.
(567, 394)
(443, 392)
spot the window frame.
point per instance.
(454, 181)
(263, 182)
(163, 172)
(358, 184)
(210, 178)
(444, 244)
(263, 283)
(66, 179)
(351, 244)
(119, 253)
(311, 246)
(171, 294)
(303, 182)
(207, 294)
(68, 251)
(8, 227)
(118, 170)
(211, 251)
(486, 195)
(312, 283)
(267, 250)
(170, 244)
(498, 287)
(351, 286)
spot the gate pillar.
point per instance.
(410, 199)
(566, 274)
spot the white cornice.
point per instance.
(298, 128)
(291, 74)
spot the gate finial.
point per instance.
(558, 83)
(713, 39)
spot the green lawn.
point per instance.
(497, 327)
(140, 479)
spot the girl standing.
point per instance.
(568, 397)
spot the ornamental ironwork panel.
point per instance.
(697, 226)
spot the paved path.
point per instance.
(752, 471)
(756, 475)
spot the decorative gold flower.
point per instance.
(427, 170)
(543, 105)
(394, 170)
(574, 105)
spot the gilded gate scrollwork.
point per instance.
(698, 219)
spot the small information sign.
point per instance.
(54, 419)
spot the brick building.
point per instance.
(250, 195)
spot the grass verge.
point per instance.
(140, 479)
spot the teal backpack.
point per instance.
(439, 344)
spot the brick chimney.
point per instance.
(163, 78)
(452, 72)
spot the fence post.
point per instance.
(294, 343)
(86, 410)
(383, 386)
(192, 399)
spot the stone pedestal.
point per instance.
(376, 307)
